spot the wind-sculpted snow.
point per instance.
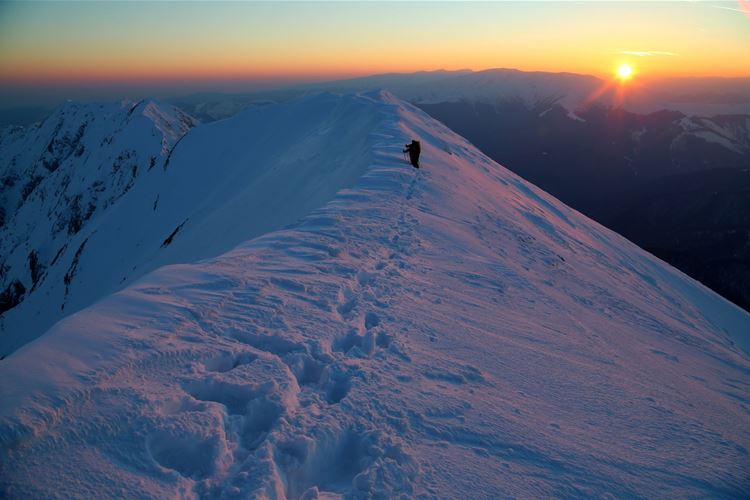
(448, 332)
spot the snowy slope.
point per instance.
(58, 177)
(731, 132)
(449, 332)
(222, 184)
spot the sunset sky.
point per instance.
(181, 46)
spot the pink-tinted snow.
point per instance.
(449, 332)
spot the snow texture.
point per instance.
(447, 332)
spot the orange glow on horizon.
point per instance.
(113, 42)
(231, 71)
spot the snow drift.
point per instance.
(447, 332)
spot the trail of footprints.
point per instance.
(272, 382)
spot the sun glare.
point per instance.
(624, 72)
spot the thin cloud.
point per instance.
(727, 8)
(743, 6)
(647, 53)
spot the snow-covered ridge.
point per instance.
(219, 185)
(448, 332)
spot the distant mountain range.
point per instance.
(538, 90)
(704, 96)
(692, 96)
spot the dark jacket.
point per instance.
(413, 149)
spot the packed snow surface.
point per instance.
(447, 332)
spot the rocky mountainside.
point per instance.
(59, 175)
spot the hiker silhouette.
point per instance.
(413, 149)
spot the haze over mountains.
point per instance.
(339, 324)
(690, 96)
(703, 96)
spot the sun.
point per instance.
(624, 72)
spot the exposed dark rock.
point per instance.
(30, 186)
(171, 151)
(58, 254)
(9, 180)
(73, 269)
(171, 236)
(36, 268)
(12, 296)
